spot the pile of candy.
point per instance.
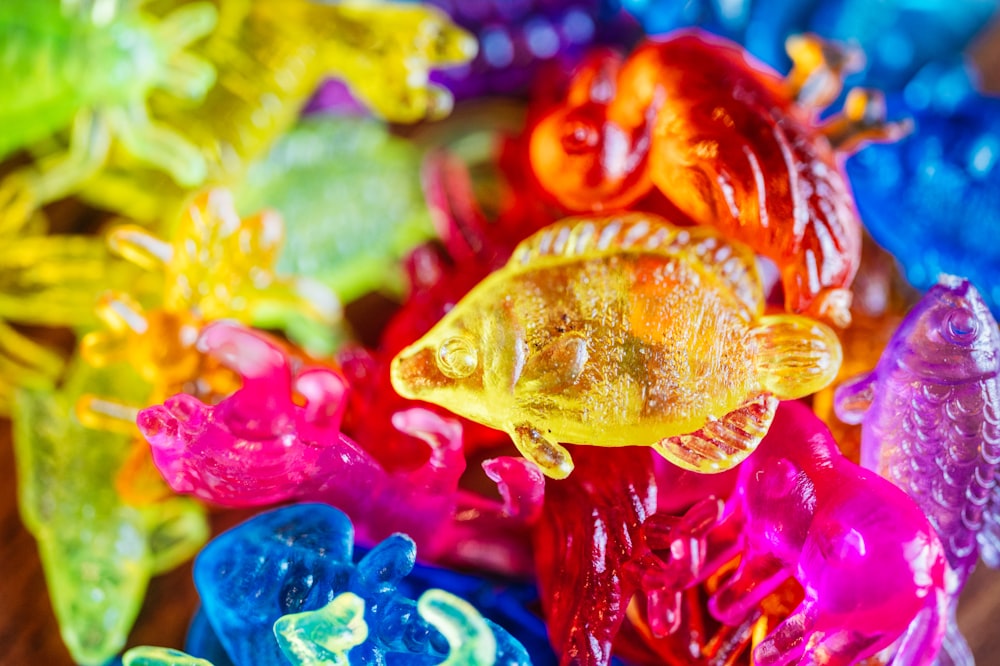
(638, 388)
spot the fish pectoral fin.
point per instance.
(556, 366)
(554, 460)
(722, 444)
(853, 398)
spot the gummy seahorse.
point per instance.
(620, 331)
(930, 415)
(728, 142)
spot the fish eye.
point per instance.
(457, 357)
(579, 137)
(961, 326)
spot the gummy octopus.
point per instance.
(620, 331)
(729, 143)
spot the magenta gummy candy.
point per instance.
(278, 438)
(871, 565)
(930, 415)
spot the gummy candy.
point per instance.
(945, 182)
(278, 438)
(898, 37)
(929, 413)
(98, 553)
(872, 566)
(582, 542)
(755, 163)
(64, 68)
(328, 178)
(270, 58)
(296, 560)
(615, 331)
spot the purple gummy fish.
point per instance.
(930, 415)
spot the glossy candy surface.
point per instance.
(270, 59)
(329, 177)
(278, 438)
(930, 415)
(98, 553)
(725, 140)
(944, 181)
(620, 331)
(94, 72)
(871, 565)
(296, 560)
(898, 37)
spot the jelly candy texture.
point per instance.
(944, 180)
(277, 573)
(93, 73)
(592, 334)
(98, 553)
(215, 266)
(503, 602)
(270, 58)
(898, 37)
(930, 415)
(758, 165)
(278, 438)
(329, 177)
(871, 565)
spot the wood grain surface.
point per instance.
(29, 634)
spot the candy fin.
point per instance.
(722, 443)
(556, 367)
(796, 356)
(554, 460)
(470, 639)
(853, 398)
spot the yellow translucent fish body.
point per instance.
(621, 331)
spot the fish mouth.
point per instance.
(414, 372)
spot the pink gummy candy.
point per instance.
(278, 439)
(871, 565)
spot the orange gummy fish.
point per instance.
(730, 143)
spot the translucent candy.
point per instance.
(871, 565)
(518, 40)
(92, 73)
(216, 266)
(758, 165)
(897, 36)
(930, 415)
(270, 59)
(330, 177)
(944, 181)
(615, 331)
(294, 561)
(277, 438)
(98, 553)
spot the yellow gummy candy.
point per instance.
(619, 331)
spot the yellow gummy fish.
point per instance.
(620, 331)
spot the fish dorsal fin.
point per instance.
(591, 237)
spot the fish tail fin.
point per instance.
(796, 356)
